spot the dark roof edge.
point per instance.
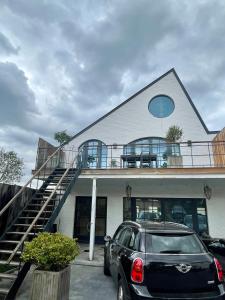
(140, 91)
(194, 107)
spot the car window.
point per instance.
(125, 236)
(134, 240)
(118, 233)
(173, 243)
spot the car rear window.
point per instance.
(172, 243)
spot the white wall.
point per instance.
(174, 188)
(133, 120)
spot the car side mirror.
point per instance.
(107, 238)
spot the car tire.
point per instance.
(106, 266)
(121, 291)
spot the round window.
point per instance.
(161, 106)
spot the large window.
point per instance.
(93, 154)
(190, 212)
(151, 152)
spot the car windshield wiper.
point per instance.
(171, 251)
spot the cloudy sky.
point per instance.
(64, 63)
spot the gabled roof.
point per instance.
(143, 89)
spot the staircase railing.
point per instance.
(61, 157)
(75, 162)
(37, 175)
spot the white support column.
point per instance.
(93, 216)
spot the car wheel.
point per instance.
(120, 291)
(106, 266)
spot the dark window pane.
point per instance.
(178, 244)
(126, 209)
(125, 237)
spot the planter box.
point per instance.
(47, 285)
(175, 161)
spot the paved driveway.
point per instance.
(87, 282)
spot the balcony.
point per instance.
(158, 157)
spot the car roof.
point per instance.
(162, 227)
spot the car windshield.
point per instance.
(172, 243)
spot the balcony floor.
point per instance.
(203, 172)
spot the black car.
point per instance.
(161, 260)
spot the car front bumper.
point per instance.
(139, 292)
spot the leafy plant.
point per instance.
(50, 251)
(113, 163)
(174, 134)
(11, 166)
(62, 137)
(90, 159)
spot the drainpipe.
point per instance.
(93, 216)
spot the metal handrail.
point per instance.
(28, 182)
(40, 212)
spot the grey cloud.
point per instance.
(79, 59)
(17, 100)
(5, 46)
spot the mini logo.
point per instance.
(183, 268)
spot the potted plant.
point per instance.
(51, 253)
(174, 134)
(113, 163)
(90, 160)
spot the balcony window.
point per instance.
(93, 154)
(155, 148)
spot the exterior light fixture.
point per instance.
(207, 192)
(128, 191)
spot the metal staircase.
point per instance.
(53, 182)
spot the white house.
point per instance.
(131, 172)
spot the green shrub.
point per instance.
(50, 251)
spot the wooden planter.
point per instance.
(47, 285)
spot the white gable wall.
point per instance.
(133, 120)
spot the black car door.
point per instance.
(121, 253)
(113, 250)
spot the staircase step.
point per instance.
(8, 276)
(30, 218)
(20, 233)
(37, 211)
(39, 204)
(9, 242)
(27, 225)
(12, 263)
(9, 251)
(52, 183)
(4, 291)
